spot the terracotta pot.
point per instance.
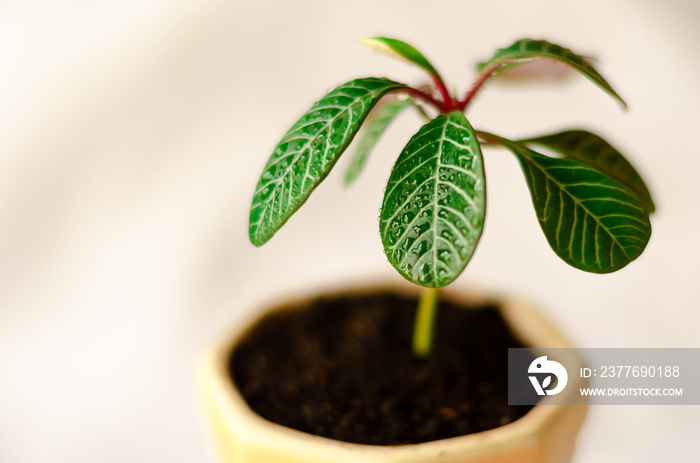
(546, 434)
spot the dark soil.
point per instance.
(343, 368)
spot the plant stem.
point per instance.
(424, 323)
(448, 101)
(481, 79)
(486, 138)
(423, 96)
(422, 112)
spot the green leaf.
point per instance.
(399, 49)
(433, 210)
(591, 149)
(306, 154)
(527, 49)
(591, 221)
(373, 129)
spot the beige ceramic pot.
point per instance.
(546, 434)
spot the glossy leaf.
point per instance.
(373, 129)
(537, 70)
(433, 210)
(591, 221)
(306, 154)
(527, 49)
(591, 149)
(399, 49)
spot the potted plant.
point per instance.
(592, 206)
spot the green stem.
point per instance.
(422, 112)
(424, 323)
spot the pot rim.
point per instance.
(527, 324)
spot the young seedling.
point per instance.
(592, 205)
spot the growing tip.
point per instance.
(399, 49)
(379, 44)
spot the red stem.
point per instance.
(425, 97)
(462, 105)
(449, 102)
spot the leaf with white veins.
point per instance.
(433, 210)
(591, 149)
(373, 129)
(306, 154)
(591, 221)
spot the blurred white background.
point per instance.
(131, 137)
